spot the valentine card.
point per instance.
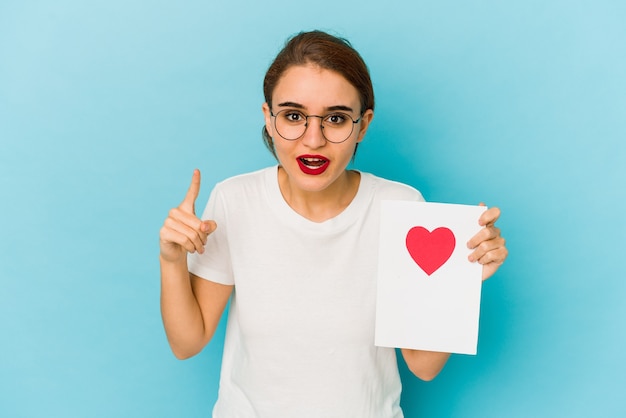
(428, 292)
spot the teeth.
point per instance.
(313, 162)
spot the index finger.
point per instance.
(189, 201)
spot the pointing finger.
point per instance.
(188, 203)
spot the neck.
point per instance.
(319, 206)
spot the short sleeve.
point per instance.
(215, 263)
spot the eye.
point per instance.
(336, 119)
(293, 116)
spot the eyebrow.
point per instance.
(331, 108)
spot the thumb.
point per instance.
(208, 226)
(188, 203)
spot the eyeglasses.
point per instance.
(336, 127)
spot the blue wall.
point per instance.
(107, 106)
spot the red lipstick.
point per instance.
(313, 164)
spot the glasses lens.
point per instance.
(291, 125)
(337, 127)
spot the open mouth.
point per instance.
(312, 164)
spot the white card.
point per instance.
(428, 291)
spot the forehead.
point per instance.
(315, 87)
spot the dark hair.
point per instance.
(326, 51)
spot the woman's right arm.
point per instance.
(191, 307)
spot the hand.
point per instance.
(182, 231)
(488, 245)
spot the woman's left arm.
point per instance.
(424, 364)
(490, 251)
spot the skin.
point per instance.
(315, 91)
(191, 307)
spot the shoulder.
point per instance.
(386, 189)
(247, 183)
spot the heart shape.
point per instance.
(430, 250)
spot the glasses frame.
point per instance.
(306, 123)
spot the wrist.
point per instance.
(176, 262)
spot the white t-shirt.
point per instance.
(300, 332)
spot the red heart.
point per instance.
(430, 250)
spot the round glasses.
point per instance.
(336, 126)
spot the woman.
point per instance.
(295, 245)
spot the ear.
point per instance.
(366, 119)
(268, 119)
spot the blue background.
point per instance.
(106, 107)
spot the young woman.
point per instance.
(295, 246)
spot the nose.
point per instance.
(313, 135)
